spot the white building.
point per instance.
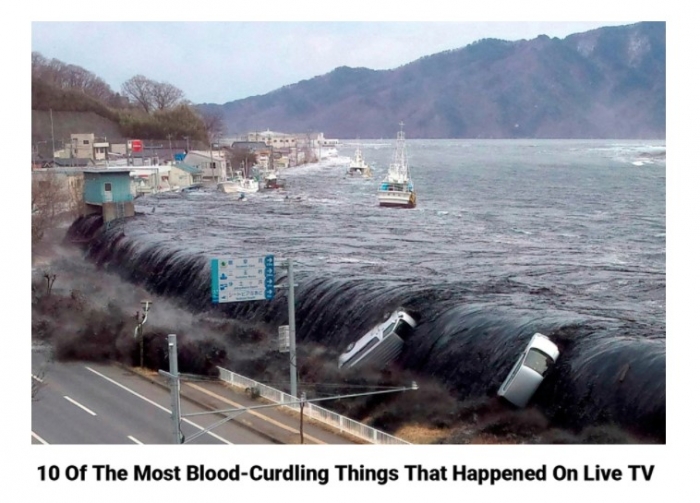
(213, 164)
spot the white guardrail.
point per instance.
(312, 411)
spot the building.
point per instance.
(108, 191)
(150, 179)
(183, 175)
(84, 145)
(213, 165)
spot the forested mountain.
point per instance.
(604, 83)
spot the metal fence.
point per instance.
(341, 423)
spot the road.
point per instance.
(91, 403)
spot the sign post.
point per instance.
(242, 279)
(253, 278)
(292, 332)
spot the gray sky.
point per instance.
(217, 62)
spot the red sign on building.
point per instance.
(136, 145)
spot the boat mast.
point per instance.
(400, 156)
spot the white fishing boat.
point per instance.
(239, 183)
(358, 166)
(397, 188)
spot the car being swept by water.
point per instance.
(529, 371)
(381, 345)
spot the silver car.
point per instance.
(529, 371)
(381, 344)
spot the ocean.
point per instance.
(509, 237)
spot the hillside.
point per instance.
(605, 83)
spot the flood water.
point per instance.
(509, 238)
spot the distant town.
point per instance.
(93, 175)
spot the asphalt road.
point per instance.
(89, 403)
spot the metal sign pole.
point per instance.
(292, 331)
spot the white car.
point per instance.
(529, 371)
(381, 344)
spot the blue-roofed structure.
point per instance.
(108, 191)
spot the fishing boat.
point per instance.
(239, 183)
(397, 189)
(268, 174)
(272, 181)
(358, 166)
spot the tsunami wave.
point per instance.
(610, 370)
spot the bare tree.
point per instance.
(139, 90)
(213, 125)
(151, 95)
(76, 185)
(64, 76)
(165, 96)
(50, 198)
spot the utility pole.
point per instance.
(174, 378)
(53, 141)
(141, 319)
(289, 331)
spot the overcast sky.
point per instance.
(217, 62)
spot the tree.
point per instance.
(150, 95)
(165, 95)
(50, 199)
(213, 125)
(69, 77)
(138, 89)
(180, 121)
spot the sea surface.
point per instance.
(509, 238)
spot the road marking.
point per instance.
(134, 440)
(156, 404)
(79, 405)
(39, 439)
(38, 379)
(254, 413)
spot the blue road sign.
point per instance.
(242, 279)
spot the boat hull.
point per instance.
(238, 187)
(227, 188)
(393, 199)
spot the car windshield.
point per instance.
(537, 361)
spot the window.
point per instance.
(388, 330)
(86, 142)
(537, 361)
(108, 187)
